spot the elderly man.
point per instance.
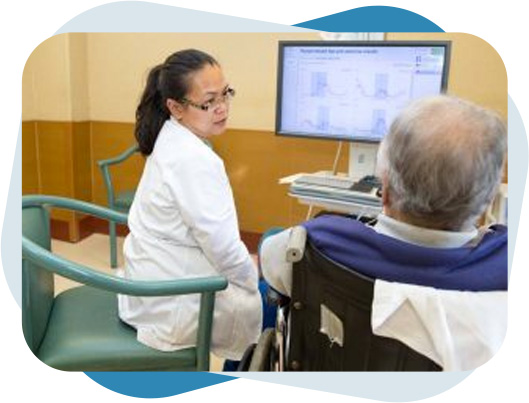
(440, 166)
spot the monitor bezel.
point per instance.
(337, 43)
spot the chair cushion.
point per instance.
(86, 334)
(123, 200)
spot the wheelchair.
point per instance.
(326, 324)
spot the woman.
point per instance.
(183, 222)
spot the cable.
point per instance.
(337, 158)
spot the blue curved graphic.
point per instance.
(156, 384)
(373, 19)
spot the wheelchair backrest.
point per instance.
(330, 328)
(37, 283)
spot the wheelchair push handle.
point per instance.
(296, 244)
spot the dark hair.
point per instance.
(167, 80)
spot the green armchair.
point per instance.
(116, 201)
(79, 330)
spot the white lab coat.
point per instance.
(183, 224)
(459, 330)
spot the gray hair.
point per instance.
(442, 161)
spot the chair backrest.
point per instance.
(37, 283)
(105, 165)
(331, 322)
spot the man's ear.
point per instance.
(386, 200)
(174, 108)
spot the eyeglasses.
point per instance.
(225, 97)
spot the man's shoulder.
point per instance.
(339, 225)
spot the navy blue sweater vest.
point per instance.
(482, 267)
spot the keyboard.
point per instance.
(336, 182)
(340, 190)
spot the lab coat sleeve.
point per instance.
(277, 271)
(205, 199)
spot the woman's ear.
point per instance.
(174, 108)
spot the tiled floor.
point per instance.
(94, 252)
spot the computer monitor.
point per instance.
(353, 90)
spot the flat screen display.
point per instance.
(353, 90)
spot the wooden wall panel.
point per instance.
(82, 177)
(82, 157)
(54, 141)
(30, 179)
(255, 160)
(56, 161)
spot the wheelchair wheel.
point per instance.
(246, 359)
(263, 355)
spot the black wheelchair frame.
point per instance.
(321, 287)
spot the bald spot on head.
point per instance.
(442, 160)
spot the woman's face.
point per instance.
(206, 86)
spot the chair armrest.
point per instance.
(76, 205)
(85, 275)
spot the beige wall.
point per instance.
(79, 80)
(119, 63)
(54, 83)
(99, 76)
(476, 71)
(45, 84)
